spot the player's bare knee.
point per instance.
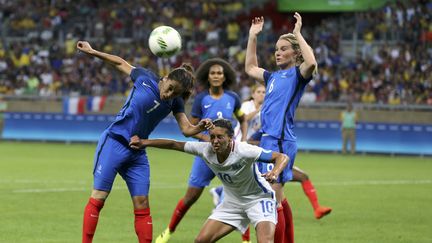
(304, 177)
(99, 195)
(202, 239)
(192, 195)
(140, 202)
(265, 238)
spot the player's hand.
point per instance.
(298, 24)
(256, 26)
(205, 124)
(137, 143)
(84, 46)
(270, 176)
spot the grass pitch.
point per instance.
(44, 188)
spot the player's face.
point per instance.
(284, 54)
(219, 139)
(258, 94)
(169, 89)
(216, 76)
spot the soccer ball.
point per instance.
(164, 41)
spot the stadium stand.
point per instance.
(381, 56)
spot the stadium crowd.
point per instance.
(38, 55)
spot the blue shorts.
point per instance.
(201, 174)
(114, 157)
(282, 146)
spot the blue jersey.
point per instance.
(206, 106)
(284, 89)
(144, 108)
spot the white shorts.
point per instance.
(241, 215)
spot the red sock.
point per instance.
(177, 215)
(280, 226)
(310, 192)
(143, 225)
(246, 235)
(289, 225)
(91, 216)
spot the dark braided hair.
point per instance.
(184, 75)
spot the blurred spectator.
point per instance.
(38, 55)
(309, 96)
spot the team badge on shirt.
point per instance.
(228, 106)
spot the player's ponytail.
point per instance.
(188, 67)
(184, 75)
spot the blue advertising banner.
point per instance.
(72, 128)
(311, 135)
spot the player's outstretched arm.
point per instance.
(117, 61)
(309, 65)
(251, 63)
(137, 143)
(281, 161)
(202, 137)
(188, 129)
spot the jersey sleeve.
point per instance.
(265, 156)
(195, 148)
(196, 106)
(142, 72)
(266, 76)
(178, 106)
(246, 107)
(237, 104)
(300, 77)
(251, 151)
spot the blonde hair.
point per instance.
(290, 37)
(254, 88)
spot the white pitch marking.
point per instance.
(373, 182)
(177, 186)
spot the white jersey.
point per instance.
(239, 174)
(254, 124)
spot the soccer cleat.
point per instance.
(245, 241)
(164, 236)
(322, 211)
(216, 193)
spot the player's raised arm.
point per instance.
(188, 129)
(116, 61)
(280, 160)
(309, 64)
(251, 63)
(137, 143)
